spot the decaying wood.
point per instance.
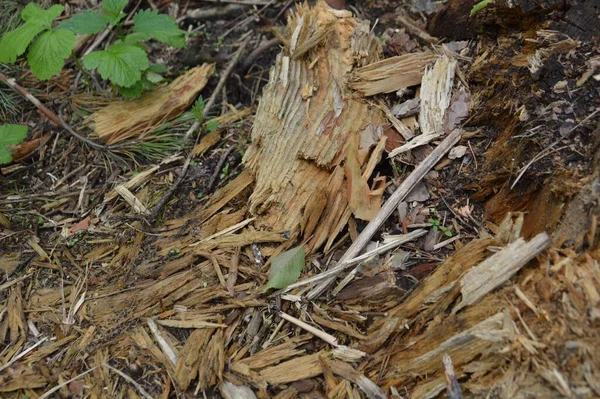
(436, 93)
(391, 74)
(390, 206)
(305, 123)
(136, 205)
(178, 310)
(499, 268)
(140, 117)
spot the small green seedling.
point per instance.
(10, 135)
(438, 226)
(225, 171)
(198, 112)
(124, 63)
(480, 6)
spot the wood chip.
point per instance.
(391, 74)
(499, 268)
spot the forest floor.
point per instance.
(142, 272)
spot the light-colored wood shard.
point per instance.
(391, 74)
(296, 369)
(140, 117)
(414, 143)
(230, 391)
(436, 93)
(499, 268)
(190, 360)
(133, 183)
(136, 205)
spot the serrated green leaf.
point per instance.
(34, 14)
(46, 56)
(88, 22)
(286, 268)
(121, 63)
(14, 43)
(135, 38)
(113, 9)
(212, 126)
(37, 20)
(198, 109)
(132, 92)
(10, 135)
(160, 27)
(154, 77)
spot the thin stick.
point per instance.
(14, 281)
(330, 339)
(388, 208)
(340, 266)
(51, 115)
(131, 381)
(446, 242)
(217, 171)
(454, 391)
(56, 388)
(228, 230)
(162, 342)
(25, 352)
(233, 272)
(216, 266)
(258, 51)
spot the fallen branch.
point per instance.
(388, 208)
(51, 115)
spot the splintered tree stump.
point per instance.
(312, 136)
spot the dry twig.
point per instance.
(388, 208)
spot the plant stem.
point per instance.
(84, 73)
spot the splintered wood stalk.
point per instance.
(308, 126)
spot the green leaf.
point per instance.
(160, 27)
(157, 68)
(113, 9)
(47, 54)
(34, 14)
(88, 22)
(286, 268)
(448, 233)
(198, 109)
(154, 77)
(10, 135)
(37, 20)
(14, 43)
(212, 126)
(135, 38)
(132, 92)
(147, 84)
(121, 63)
(480, 6)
